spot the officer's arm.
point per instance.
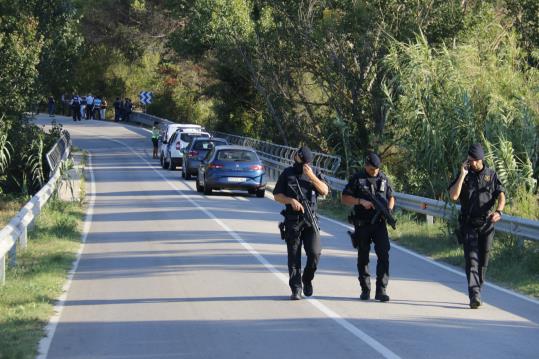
(391, 203)
(281, 198)
(320, 186)
(501, 202)
(354, 201)
(454, 191)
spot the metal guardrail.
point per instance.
(282, 156)
(277, 157)
(16, 231)
(58, 152)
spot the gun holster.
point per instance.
(282, 229)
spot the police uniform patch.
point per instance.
(487, 178)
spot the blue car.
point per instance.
(195, 152)
(231, 167)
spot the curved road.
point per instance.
(167, 272)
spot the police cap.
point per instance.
(476, 151)
(305, 154)
(373, 160)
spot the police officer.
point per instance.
(372, 179)
(75, 106)
(477, 187)
(297, 229)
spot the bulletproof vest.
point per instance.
(477, 193)
(305, 186)
(377, 186)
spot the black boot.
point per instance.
(381, 295)
(296, 294)
(365, 295)
(475, 302)
(307, 289)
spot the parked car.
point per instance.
(167, 131)
(179, 140)
(195, 152)
(231, 167)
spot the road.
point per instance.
(166, 272)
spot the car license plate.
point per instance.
(237, 179)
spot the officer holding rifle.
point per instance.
(370, 192)
(297, 188)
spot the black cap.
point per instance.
(476, 151)
(305, 154)
(373, 160)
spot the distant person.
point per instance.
(51, 106)
(128, 107)
(89, 107)
(155, 138)
(97, 108)
(477, 188)
(63, 103)
(76, 107)
(103, 109)
(83, 107)
(117, 109)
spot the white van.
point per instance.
(173, 156)
(167, 131)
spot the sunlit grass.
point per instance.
(32, 286)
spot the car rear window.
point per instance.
(188, 137)
(237, 156)
(205, 145)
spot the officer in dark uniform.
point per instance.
(371, 178)
(477, 187)
(297, 230)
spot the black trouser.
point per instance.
(76, 112)
(89, 111)
(297, 233)
(376, 233)
(477, 242)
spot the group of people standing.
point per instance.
(477, 187)
(122, 109)
(87, 107)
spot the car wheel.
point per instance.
(207, 189)
(260, 192)
(199, 187)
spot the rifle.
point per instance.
(310, 218)
(380, 206)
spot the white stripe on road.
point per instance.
(50, 329)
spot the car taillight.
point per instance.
(256, 168)
(178, 146)
(193, 153)
(215, 165)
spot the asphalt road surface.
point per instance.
(166, 272)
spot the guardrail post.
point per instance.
(3, 270)
(23, 240)
(430, 220)
(12, 255)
